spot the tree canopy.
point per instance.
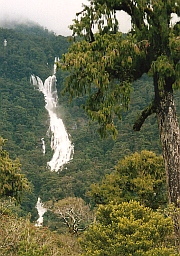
(23, 119)
(104, 64)
(128, 229)
(139, 177)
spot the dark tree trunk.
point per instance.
(170, 141)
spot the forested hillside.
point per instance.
(24, 120)
(90, 181)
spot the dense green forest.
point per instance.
(24, 121)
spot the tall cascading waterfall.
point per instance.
(60, 142)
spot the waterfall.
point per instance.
(60, 142)
(43, 146)
(41, 211)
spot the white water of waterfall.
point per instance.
(41, 211)
(60, 142)
(43, 146)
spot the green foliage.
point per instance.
(102, 72)
(165, 69)
(152, 46)
(23, 118)
(12, 183)
(24, 121)
(103, 64)
(30, 50)
(128, 229)
(140, 176)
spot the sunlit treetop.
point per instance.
(105, 62)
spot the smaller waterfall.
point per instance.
(43, 146)
(41, 211)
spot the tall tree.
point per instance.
(104, 64)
